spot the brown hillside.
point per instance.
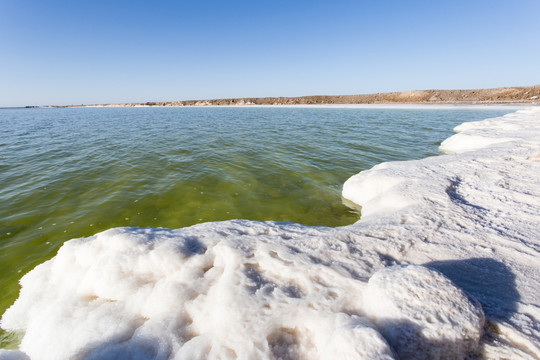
(505, 95)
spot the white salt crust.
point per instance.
(264, 290)
(422, 314)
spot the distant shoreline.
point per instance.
(525, 95)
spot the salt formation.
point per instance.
(265, 290)
(423, 314)
(223, 290)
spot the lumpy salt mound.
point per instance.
(207, 292)
(422, 314)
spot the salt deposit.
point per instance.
(256, 290)
(414, 306)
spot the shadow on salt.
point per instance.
(490, 281)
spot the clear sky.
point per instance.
(75, 52)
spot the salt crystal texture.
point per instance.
(423, 314)
(435, 235)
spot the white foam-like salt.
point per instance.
(245, 289)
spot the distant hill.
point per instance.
(504, 95)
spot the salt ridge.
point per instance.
(246, 289)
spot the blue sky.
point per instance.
(75, 52)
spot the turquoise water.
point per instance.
(67, 173)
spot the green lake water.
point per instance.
(67, 173)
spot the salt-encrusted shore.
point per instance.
(474, 215)
(443, 264)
